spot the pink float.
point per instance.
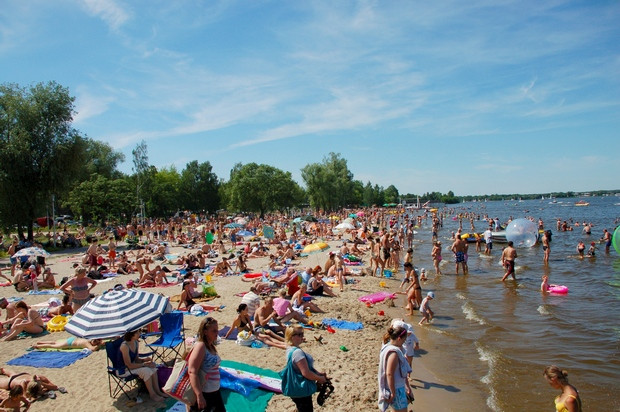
(559, 289)
(377, 297)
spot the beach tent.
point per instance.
(117, 312)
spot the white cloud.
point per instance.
(109, 11)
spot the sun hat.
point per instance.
(423, 270)
(397, 323)
(431, 295)
(592, 243)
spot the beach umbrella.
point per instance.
(360, 214)
(353, 215)
(345, 226)
(233, 225)
(241, 221)
(116, 313)
(309, 218)
(315, 247)
(31, 251)
(245, 233)
(268, 232)
(297, 220)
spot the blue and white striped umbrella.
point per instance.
(31, 251)
(116, 313)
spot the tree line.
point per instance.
(45, 161)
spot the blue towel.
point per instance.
(39, 359)
(46, 292)
(342, 324)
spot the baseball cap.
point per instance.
(431, 295)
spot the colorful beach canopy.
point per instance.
(31, 251)
(116, 313)
(233, 225)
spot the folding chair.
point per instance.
(117, 371)
(172, 337)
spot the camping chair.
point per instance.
(132, 242)
(171, 338)
(117, 371)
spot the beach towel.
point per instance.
(41, 359)
(342, 324)
(233, 335)
(5, 284)
(24, 334)
(46, 292)
(177, 298)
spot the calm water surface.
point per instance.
(498, 336)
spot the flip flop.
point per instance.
(62, 390)
(51, 395)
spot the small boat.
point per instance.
(582, 203)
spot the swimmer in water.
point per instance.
(581, 248)
(544, 286)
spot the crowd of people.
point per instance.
(273, 303)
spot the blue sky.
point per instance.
(476, 97)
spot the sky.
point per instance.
(476, 97)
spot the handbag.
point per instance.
(294, 384)
(178, 384)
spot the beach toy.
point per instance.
(307, 313)
(252, 275)
(522, 232)
(381, 313)
(344, 348)
(208, 278)
(330, 329)
(387, 273)
(209, 238)
(382, 284)
(559, 289)
(377, 297)
(57, 323)
(368, 305)
(615, 240)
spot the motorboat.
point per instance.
(582, 203)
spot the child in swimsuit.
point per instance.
(15, 400)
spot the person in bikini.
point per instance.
(79, 288)
(70, 343)
(27, 320)
(34, 386)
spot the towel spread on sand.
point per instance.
(40, 359)
(46, 292)
(342, 324)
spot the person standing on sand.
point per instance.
(546, 248)
(459, 248)
(509, 254)
(92, 255)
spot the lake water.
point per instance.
(497, 337)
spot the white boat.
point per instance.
(582, 203)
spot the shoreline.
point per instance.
(353, 373)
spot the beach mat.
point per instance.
(46, 292)
(177, 298)
(235, 402)
(40, 359)
(342, 324)
(224, 331)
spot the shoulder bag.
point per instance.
(178, 384)
(294, 384)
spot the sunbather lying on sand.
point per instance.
(70, 343)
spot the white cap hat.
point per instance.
(398, 323)
(431, 295)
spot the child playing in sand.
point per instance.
(64, 308)
(544, 286)
(14, 401)
(425, 309)
(411, 343)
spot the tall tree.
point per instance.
(330, 184)
(261, 188)
(40, 151)
(141, 172)
(200, 187)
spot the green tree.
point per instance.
(261, 188)
(391, 195)
(101, 159)
(100, 199)
(40, 151)
(330, 184)
(164, 199)
(200, 187)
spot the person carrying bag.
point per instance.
(299, 378)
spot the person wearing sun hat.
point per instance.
(425, 309)
(592, 250)
(411, 343)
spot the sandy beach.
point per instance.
(353, 373)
